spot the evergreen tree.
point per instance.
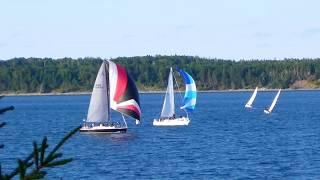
(34, 166)
(150, 73)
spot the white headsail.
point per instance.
(273, 103)
(98, 108)
(168, 104)
(249, 103)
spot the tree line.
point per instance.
(43, 75)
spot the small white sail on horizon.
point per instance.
(269, 110)
(249, 103)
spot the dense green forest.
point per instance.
(44, 75)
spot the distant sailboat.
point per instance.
(249, 103)
(168, 116)
(113, 89)
(268, 111)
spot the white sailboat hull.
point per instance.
(266, 111)
(182, 121)
(248, 106)
(103, 129)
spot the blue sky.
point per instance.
(228, 29)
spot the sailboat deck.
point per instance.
(181, 121)
(102, 128)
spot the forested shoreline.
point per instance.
(45, 75)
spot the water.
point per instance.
(223, 140)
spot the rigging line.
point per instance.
(124, 119)
(175, 80)
(179, 91)
(165, 95)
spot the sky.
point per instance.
(227, 29)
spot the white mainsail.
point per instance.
(249, 103)
(168, 104)
(274, 101)
(99, 106)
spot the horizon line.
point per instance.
(173, 55)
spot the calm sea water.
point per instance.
(223, 140)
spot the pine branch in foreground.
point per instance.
(3, 110)
(40, 161)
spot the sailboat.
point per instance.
(113, 89)
(168, 116)
(249, 103)
(269, 110)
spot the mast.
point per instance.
(108, 91)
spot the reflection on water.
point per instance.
(114, 137)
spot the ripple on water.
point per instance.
(223, 140)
